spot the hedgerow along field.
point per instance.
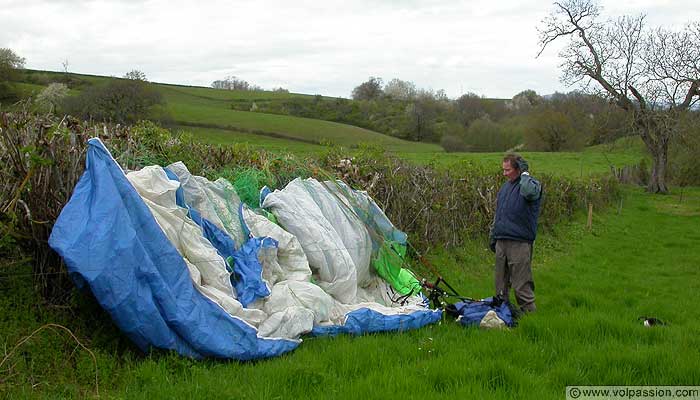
(591, 287)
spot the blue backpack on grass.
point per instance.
(470, 313)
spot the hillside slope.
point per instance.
(203, 111)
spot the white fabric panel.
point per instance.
(289, 262)
(207, 267)
(351, 230)
(299, 214)
(292, 322)
(216, 201)
(287, 294)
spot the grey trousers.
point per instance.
(514, 269)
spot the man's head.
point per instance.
(510, 166)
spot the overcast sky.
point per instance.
(316, 47)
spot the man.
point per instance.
(514, 230)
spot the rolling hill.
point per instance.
(207, 114)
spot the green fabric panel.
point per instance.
(270, 216)
(388, 265)
(248, 183)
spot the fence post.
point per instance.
(590, 216)
(619, 207)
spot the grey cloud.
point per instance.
(309, 46)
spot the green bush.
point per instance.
(683, 153)
(116, 101)
(484, 135)
(452, 143)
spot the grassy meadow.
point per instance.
(591, 161)
(201, 107)
(639, 259)
(219, 136)
(191, 106)
(591, 288)
(186, 107)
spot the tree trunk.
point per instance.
(656, 131)
(657, 181)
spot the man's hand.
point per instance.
(492, 245)
(522, 165)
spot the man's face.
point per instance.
(510, 172)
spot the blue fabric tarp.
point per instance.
(365, 320)
(247, 271)
(109, 240)
(472, 312)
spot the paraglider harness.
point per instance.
(439, 297)
(442, 295)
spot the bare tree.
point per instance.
(525, 101)
(10, 64)
(136, 75)
(234, 83)
(470, 107)
(653, 74)
(421, 115)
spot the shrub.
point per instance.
(117, 101)
(486, 135)
(452, 143)
(683, 154)
(52, 96)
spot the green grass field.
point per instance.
(592, 161)
(211, 108)
(225, 137)
(185, 106)
(591, 288)
(229, 95)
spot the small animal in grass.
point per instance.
(651, 321)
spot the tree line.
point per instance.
(235, 83)
(557, 122)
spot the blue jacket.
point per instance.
(517, 209)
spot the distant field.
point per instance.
(223, 136)
(227, 95)
(186, 107)
(29, 89)
(593, 160)
(571, 164)
(212, 108)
